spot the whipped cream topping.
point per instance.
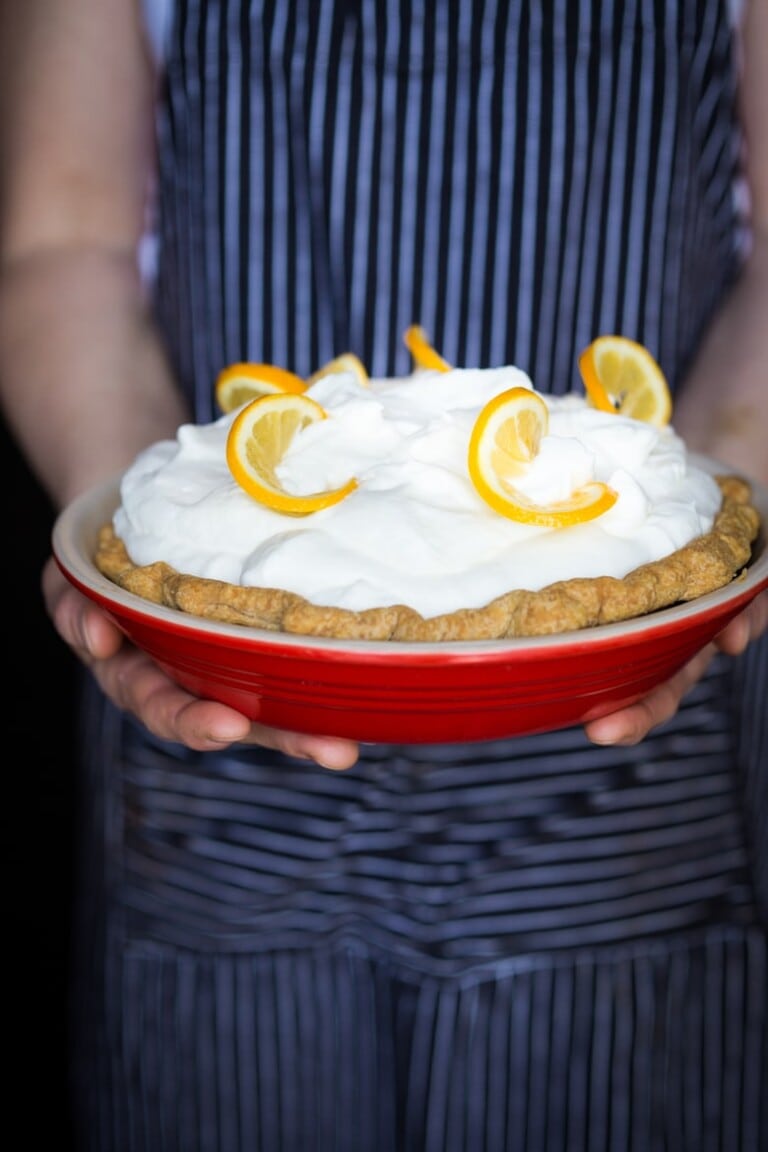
(415, 531)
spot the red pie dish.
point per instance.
(408, 693)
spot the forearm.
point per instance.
(723, 406)
(84, 381)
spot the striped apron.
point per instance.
(533, 945)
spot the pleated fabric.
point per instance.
(531, 945)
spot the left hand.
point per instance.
(631, 725)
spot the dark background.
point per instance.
(40, 688)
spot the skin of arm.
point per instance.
(722, 410)
(84, 380)
(76, 345)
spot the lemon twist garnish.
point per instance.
(622, 376)
(346, 362)
(505, 439)
(242, 382)
(259, 438)
(424, 355)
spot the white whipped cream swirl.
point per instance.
(414, 531)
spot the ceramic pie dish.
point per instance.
(408, 692)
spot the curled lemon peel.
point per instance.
(505, 439)
(346, 362)
(240, 383)
(258, 439)
(622, 376)
(424, 355)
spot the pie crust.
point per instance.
(707, 563)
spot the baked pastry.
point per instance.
(411, 551)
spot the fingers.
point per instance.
(133, 681)
(631, 725)
(745, 627)
(136, 684)
(327, 751)
(86, 629)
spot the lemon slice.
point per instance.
(509, 429)
(257, 441)
(240, 383)
(622, 376)
(424, 355)
(346, 362)
(504, 440)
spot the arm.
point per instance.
(76, 345)
(723, 407)
(84, 381)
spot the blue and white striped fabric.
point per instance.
(532, 945)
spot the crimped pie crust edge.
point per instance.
(705, 564)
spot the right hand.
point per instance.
(135, 683)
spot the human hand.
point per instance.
(631, 725)
(135, 683)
